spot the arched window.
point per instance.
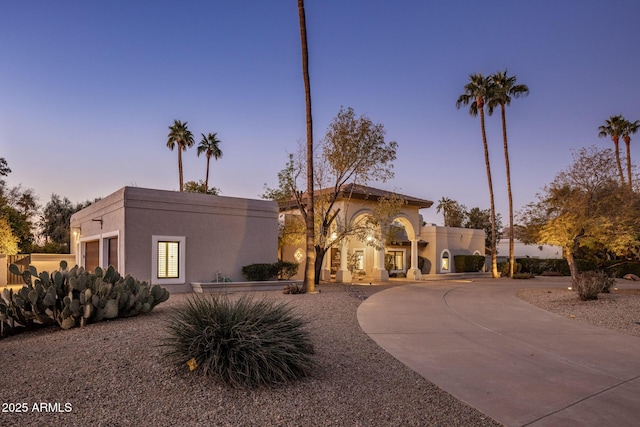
(445, 265)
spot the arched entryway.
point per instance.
(366, 253)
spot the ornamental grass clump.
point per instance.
(591, 283)
(244, 342)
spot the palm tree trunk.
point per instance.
(494, 263)
(206, 177)
(615, 142)
(309, 267)
(627, 142)
(180, 165)
(506, 160)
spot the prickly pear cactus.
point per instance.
(74, 296)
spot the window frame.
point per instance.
(448, 262)
(395, 252)
(182, 255)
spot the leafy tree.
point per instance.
(8, 242)
(287, 188)
(292, 231)
(200, 187)
(586, 208)
(628, 129)
(210, 146)
(480, 219)
(55, 221)
(354, 152)
(4, 169)
(614, 127)
(454, 213)
(308, 208)
(18, 207)
(179, 136)
(505, 87)
(56, 217)
(477, 92)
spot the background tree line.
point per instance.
(28, 227)
(457, 215)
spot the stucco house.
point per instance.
(173, 238)
(419, 250)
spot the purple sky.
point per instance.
(88, 89)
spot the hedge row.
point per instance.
(265, 271)
(468, 263)
(541, 267)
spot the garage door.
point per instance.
(91, 255)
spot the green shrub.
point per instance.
(287, 269)
(242, 342)
(617, 268)
(523, 276)
(503, 268)
(468, 263)
(541, 266)
(265, 271)
(293, 288)
(589, 284)
(260, 272)
(74, 297)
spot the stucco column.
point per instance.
(325, 272)
(414, 272)
(379, 272)
(343, 274)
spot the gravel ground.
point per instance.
(114, 374)
(618, 311)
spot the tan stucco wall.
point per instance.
(458, 241)
(51, 262)
(42, 262)
(221, 233)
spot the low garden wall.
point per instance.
(270, 285)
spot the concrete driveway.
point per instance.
(519, 364)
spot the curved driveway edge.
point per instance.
(519, 364)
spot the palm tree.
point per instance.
(628, 129)
(505, 87)
(209, 146)
(309, 212)
(180, 136)
(614, 127)
(478, 91)
(445, 204)
(452, 211)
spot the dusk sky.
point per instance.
(88, 89)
